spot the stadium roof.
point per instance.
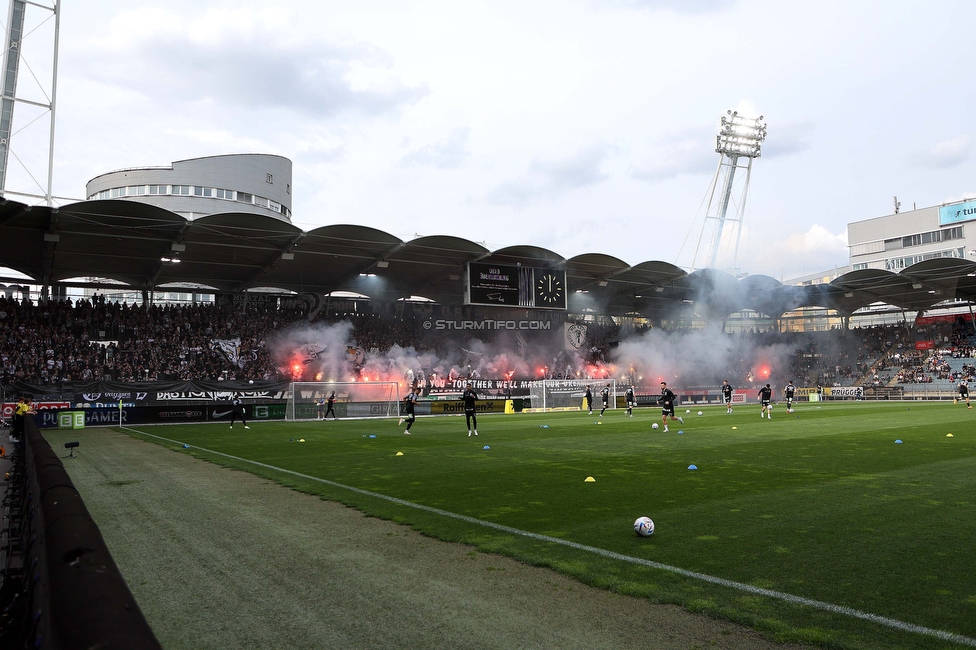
(135, 243)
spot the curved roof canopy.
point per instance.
(146, 247)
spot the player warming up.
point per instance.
(408, 407)
(320, 404)
(470, 408)
(631, 401)
(963, 394)
(237, 411)
(605, 398)
(331, 409)
(727, 391)
(765, 394)
(667, 400)
(790, 392)
(588, 400)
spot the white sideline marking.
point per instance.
(741, 586)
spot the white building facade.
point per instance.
(896, 241)
(252, 183)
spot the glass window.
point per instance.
(270, 179)
(208, 191)
(244, 197)
(117, 192)
(197, 191)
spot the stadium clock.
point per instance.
(549, 290)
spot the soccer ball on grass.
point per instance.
(654, 426)
(644, 527)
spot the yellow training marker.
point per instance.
(589, 479)
(399, 453)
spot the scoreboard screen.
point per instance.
(514, 286)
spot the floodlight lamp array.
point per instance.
(740, 136)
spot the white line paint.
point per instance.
(731, 584)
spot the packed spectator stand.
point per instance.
(92, 339)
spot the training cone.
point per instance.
(486, 447)
(301, 440)
(589, 479)
(897, 442)
(693, 467)
(372, 435)
(680, 432)
(399, 453)
(188, 446)
(735, 428)
(948, 435)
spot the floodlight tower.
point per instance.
(738, 143)
(9, 96)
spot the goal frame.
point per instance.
(356, 399)
(567, 394)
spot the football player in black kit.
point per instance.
(605, 397)
(588, 400)
(408, 410)
(470, 408)
(667, 400)
(963, 393)
(790, 392)
(727, 394)
(765, 394)
(237, 411)
(631, 401)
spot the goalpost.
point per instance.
(567, 394)
(354, 399)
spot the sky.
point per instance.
(577, 126)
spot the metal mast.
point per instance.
(738, 143)
(12, 55)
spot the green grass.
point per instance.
(822, 504)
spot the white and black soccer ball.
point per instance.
(644, 527)
(699, 412)
(687, 411)
(654, 426)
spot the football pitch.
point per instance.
(848, 525)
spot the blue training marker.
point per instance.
(693, 467)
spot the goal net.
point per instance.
(567, 394)
(365, 399)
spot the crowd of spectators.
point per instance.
(86, 340)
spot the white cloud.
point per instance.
(687, 153)
(552, 178)
(798, 254)
(228, 58)
(946, 154)
(447, 154)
